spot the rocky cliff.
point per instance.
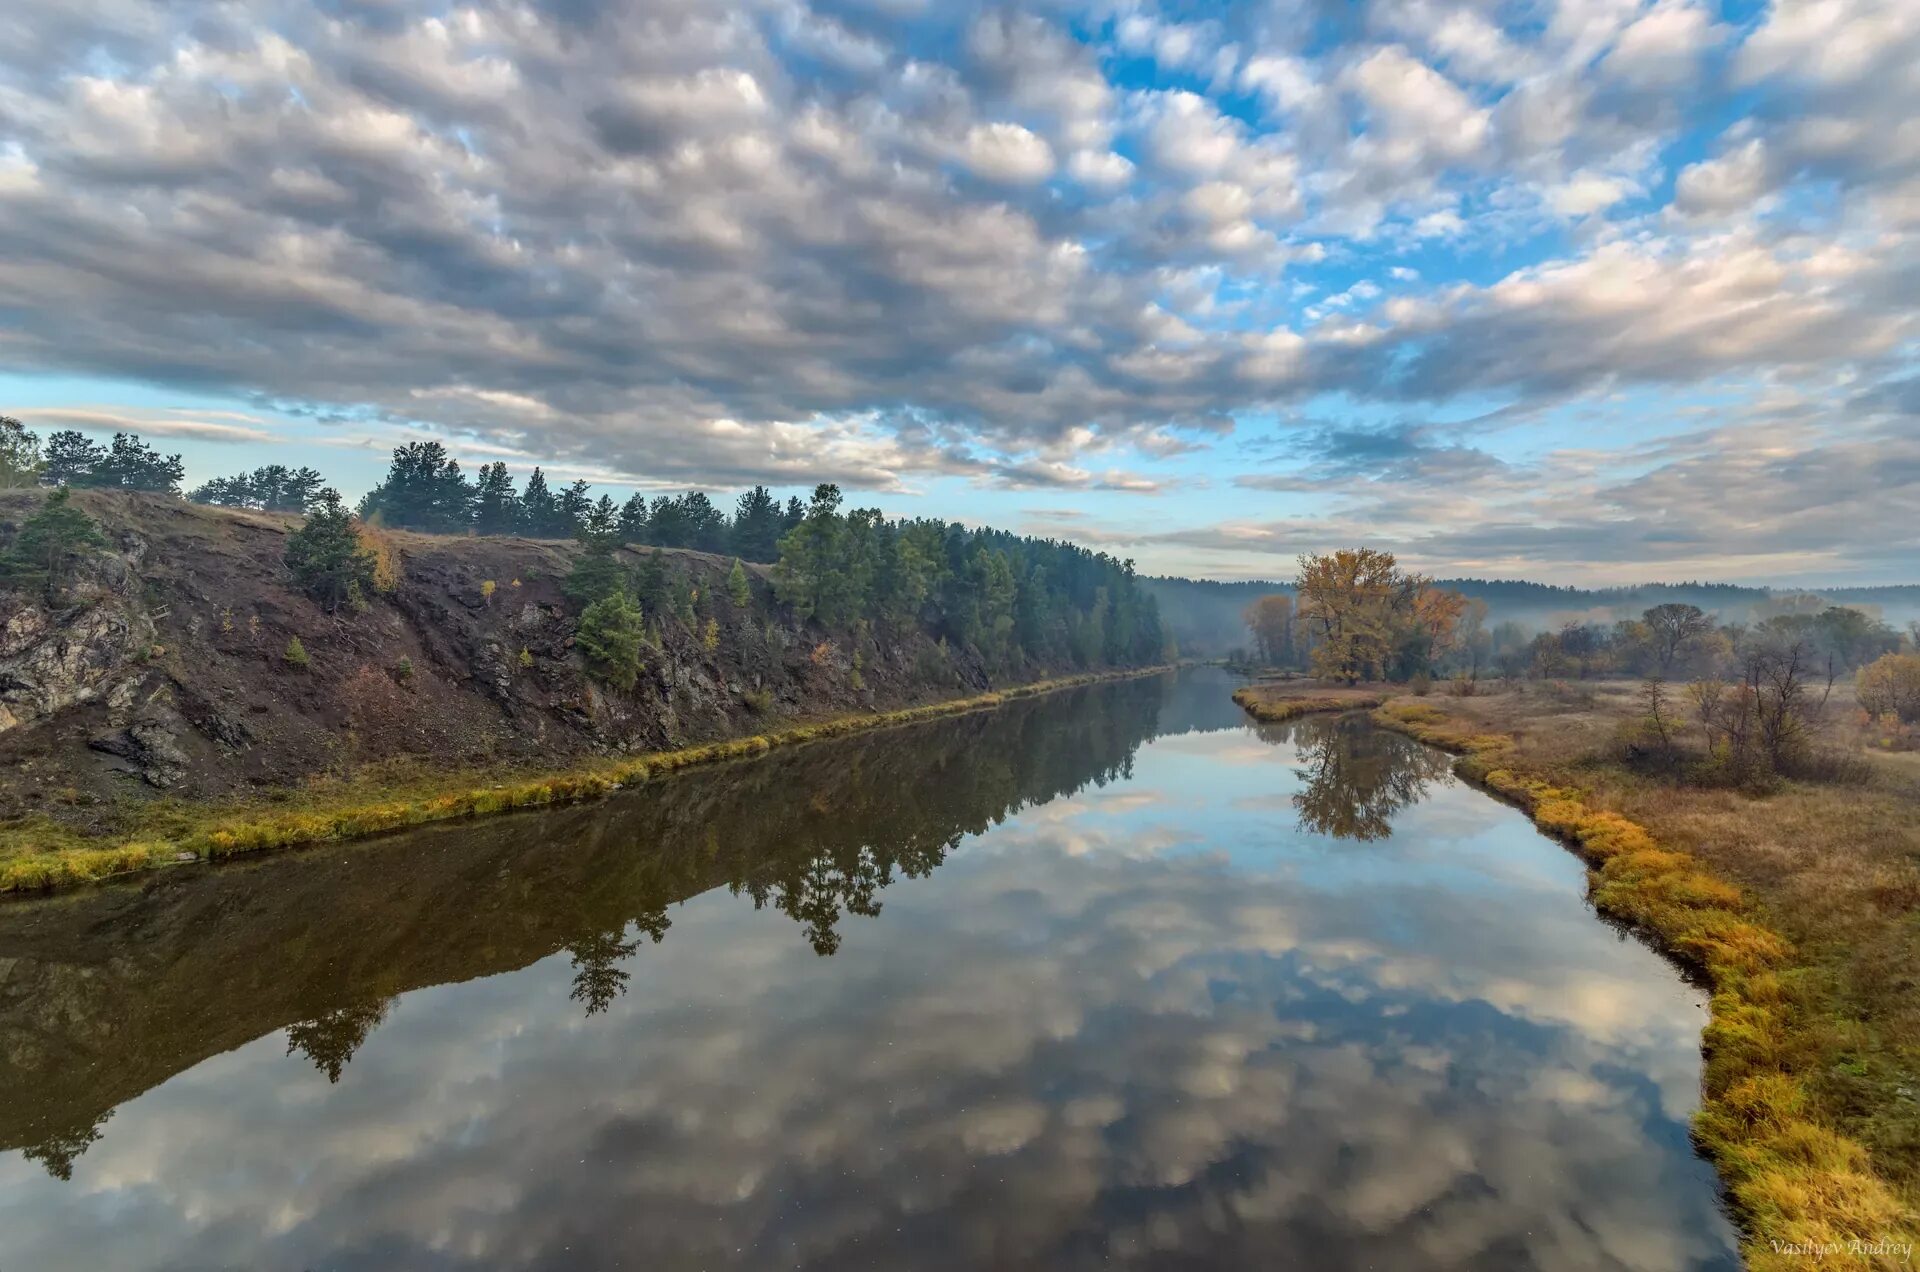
(163, 670)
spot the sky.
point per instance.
(1588, 291)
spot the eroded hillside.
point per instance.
(164, 668)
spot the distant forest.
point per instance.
(1207, 618)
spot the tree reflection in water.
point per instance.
(1357, 775)
(815, 833)
(330, 1040)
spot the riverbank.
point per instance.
(1279, 702)
(1795, 908)
(38, 858)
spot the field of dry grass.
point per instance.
(1801, 907)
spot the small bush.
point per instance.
(1421, 684)
(296, 655)
(403, 670)
(526, 658)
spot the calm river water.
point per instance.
(1107, 978)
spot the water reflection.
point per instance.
(1357, 777)
(108, 993)
(331, 1039)
(1136, 1018)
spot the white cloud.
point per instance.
(1008, 152)
(1732, 182)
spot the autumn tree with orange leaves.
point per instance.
(1371, 620)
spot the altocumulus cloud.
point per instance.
(1027, 244)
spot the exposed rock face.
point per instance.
(86, 651)
(163, 669)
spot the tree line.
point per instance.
(1012, 597)
(1754, 690)
(425, 490)
(69, 459)
(1018, 601)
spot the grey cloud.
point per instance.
(679, 240)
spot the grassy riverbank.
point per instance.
(38, 855)
(1273, 704)
(1796, 908)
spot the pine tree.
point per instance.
(738, 590)
(72, 460)
(423, 490)
(326, 556)
(575, 502)
(539, 510)
(596, 573)
(667, 523)
(44, 550)
(757, 526)
(130, 464)
(496, 509)
(633, 520)
(612, 635)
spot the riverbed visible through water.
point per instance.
(1106, 978)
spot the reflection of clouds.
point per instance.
(1055, 1051)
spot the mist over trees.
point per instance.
(1208, 617)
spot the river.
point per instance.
(1105, 978)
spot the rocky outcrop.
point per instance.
(90, 649)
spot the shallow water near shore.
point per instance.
(1108, 977)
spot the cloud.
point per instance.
(151, 424)
(1732, 182)
(1008, 152)
(709, 244)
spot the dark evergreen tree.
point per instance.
(496, 509)
(540, 511)
(48, 543)
(71, 460)
(273, 488)
(706, 525)
(667, 523)
(326, 556)
(423, 490)
(576, 501)
(131, 464)
(633, 520)
(757, 526)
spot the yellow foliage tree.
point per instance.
(1355, 601)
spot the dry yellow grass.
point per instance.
(1798, 909)
(42, 856)
(1275, 701)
